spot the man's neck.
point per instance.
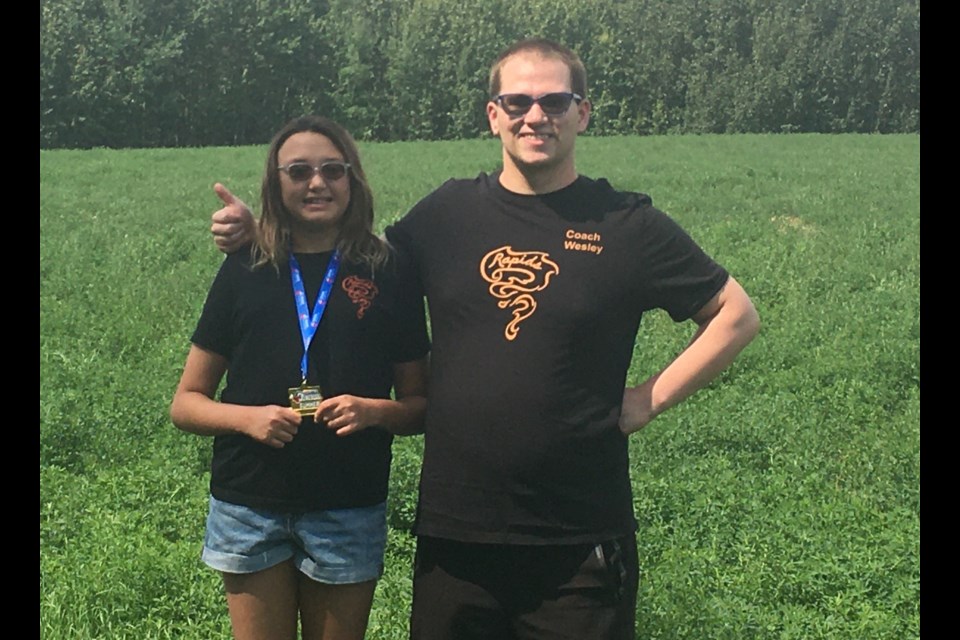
(530, 181)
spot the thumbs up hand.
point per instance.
(233, 225)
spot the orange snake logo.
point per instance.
(514, 276)
(361, 293)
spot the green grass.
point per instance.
(781, 502)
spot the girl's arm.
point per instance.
(404, 416)
(193, 408)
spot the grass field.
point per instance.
(781, 502)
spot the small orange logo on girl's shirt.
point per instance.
(361, 292)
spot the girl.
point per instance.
(312, 331)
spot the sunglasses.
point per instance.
(552, 104)
(302, 171)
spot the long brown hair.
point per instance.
(356, 242)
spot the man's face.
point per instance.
(537, 142)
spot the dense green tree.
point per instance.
(200, 72)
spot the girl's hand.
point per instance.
(348, 414)
(272, 425)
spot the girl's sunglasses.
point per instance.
(552, 104)
(303, 171)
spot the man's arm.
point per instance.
(728, 322)
(232, 226)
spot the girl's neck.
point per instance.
(313, 241)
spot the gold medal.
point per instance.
(305, 399)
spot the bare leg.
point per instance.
(263, 605)
(334, 611)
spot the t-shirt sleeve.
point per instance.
(214, 329)
(400, 239)
(411, 341)
(683, 278)
(413, 233)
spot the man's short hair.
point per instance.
(547, 49)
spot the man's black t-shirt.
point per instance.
(371, 322)
(535, 302)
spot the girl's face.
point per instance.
(316, 203)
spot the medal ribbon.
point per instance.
(310, 322)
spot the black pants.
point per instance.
(464, 591)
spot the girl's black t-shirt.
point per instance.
(371, 322)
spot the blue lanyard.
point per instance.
(308, 322)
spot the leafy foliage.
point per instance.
(209, 72)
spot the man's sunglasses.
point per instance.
(302, 171)
(552, 104)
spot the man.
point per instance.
(536, 280)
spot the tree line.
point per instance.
(145, 73)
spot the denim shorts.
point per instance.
(335, 546)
